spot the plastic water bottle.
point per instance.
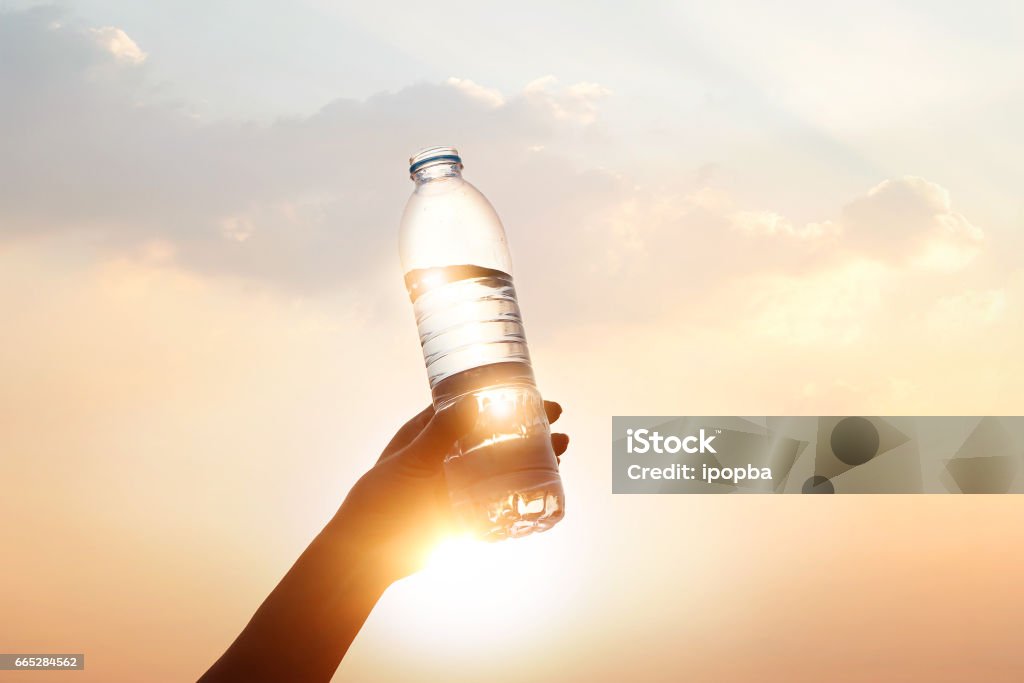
(502, 476)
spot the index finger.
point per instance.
(404, 436)
(553, 410)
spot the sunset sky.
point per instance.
(736, 209)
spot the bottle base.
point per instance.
(513, 505)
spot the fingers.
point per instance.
(408, 431)
(431, 445)
(559, 442)
(429, 436)
(553, 410)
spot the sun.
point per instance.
(468, 584)
(454, 553)
(462, 565)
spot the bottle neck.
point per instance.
(437, 172)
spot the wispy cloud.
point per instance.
(117, 43)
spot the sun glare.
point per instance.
(465, 584)
(498, 403)
(454, 554)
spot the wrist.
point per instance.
(361, 559)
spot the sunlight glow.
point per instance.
(467, 583)
(498, 403)
(455, 554)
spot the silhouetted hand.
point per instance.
(384, 530)
(399, 510)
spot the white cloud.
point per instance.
(911, 220)
(492, 97)
(119, 44)
(772, 224)
(576, 102)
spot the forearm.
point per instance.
(304, 627)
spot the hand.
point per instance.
(389, 522)
(399, 510)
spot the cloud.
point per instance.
(490, 96)
(772, 224)
(308, 202)
(312, 203)
(117, 43)
(905, 221)
(577, 102)
(910, 220)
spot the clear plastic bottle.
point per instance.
(502, 476)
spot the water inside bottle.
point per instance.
(502, 476)
(467, 317)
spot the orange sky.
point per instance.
(177, 440)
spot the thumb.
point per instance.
(430, 447)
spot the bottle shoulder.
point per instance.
(449, 221)
(450, 194)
